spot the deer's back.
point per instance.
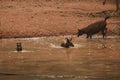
(95, 27)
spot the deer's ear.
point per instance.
(70, 39)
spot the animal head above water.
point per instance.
(80, 32)
(68, 43)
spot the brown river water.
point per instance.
(42, 58)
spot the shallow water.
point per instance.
(44, 59)
(23, 51)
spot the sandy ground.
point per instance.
(34, 18)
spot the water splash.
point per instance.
(77, 45)
(55, 46)
(109, 37)
(23, 51)
(58, 46)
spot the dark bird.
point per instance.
(94, 28)
(19, 47)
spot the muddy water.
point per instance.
(44, 59)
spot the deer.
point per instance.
(94, 28)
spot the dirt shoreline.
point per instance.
(21, 19)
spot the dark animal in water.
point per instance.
(94, 28)
(19, 47)
(68, 43)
